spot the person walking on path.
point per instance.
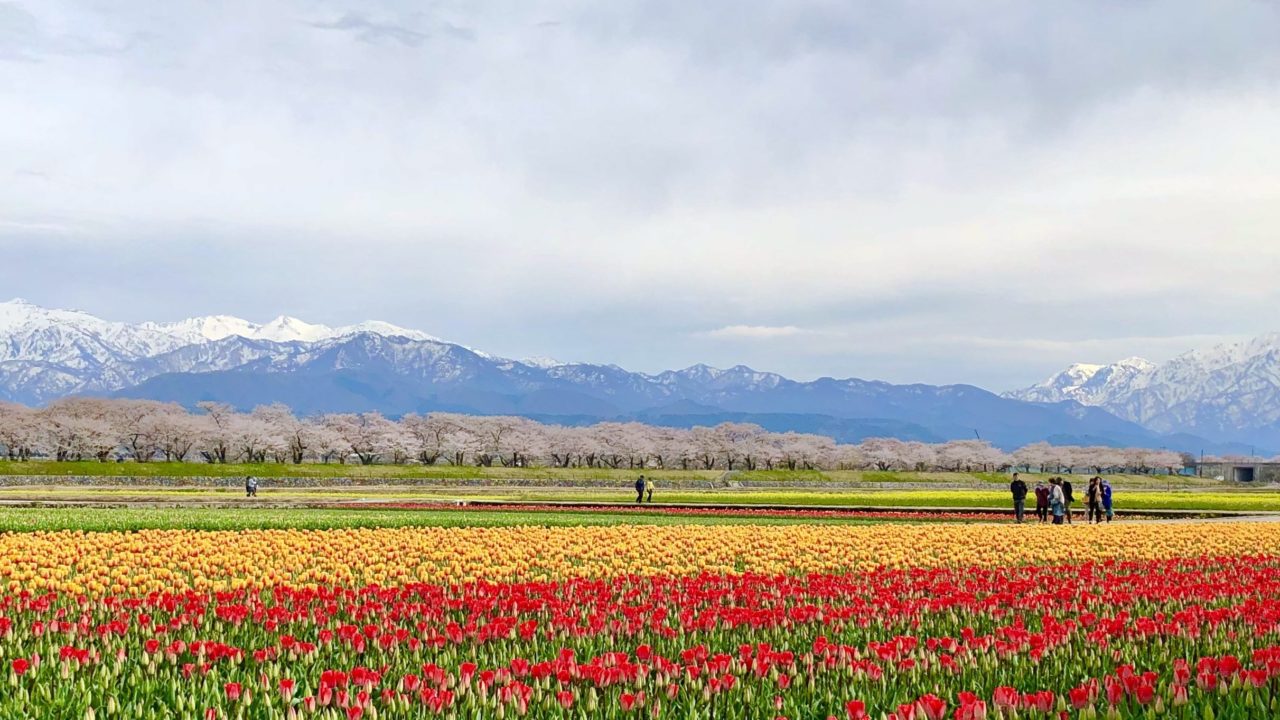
(1019, 490)
(640, 487)
(1068, 497)
(1105, 492)
(250, 486)
(1093, 500)
(1057, 500)
(648, 490)
(1042, 501)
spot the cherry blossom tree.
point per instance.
(18, 425)
(217, 431)
(287, 435)
(364, 434)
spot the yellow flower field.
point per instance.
(140, 562)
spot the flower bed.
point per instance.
(909, 622)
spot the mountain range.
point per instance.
(1229, 392)
(46, 354)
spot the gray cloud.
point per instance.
(374, 32)
(937, 191)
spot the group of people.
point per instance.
(1055, 498)
(644, 490)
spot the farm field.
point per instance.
(904, 621)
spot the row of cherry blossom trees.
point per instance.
(147, 431)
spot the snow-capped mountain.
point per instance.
(1230, 390)
(47, 354)
(281, 329)
(1088, 384)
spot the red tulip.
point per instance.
(1079, 697)
(1005, 697)
(932, 707)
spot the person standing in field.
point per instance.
(1042, 501)
(252, 483)
(640, 487)
(1105, 491)
(648, 490)
(1093, 500)
(1068, 497)
(1019, 490)
(1057, 500)
(248, 486)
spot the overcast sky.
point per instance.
(932, 192)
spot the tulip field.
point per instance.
(904, 621)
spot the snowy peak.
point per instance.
(377, 327)
(208, 328)
(18, 313)
(544, 363)
(291, 329)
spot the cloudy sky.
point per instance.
(917, 192)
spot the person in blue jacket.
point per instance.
(1106, 499)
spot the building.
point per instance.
(1243, 471)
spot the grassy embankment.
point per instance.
(389, 474)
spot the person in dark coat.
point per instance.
(1019, 490)
(1042, 501)
(1093, 500)
(1105, 492)
(640, 487)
